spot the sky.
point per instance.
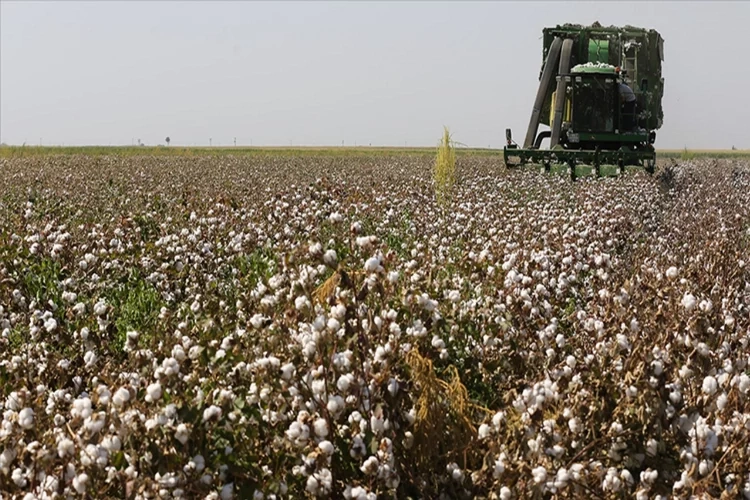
(332, 73)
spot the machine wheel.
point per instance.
(650, 166)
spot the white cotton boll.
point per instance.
(539, 474)
(458, 475)
(122, 396)
(372, 265)
(26, 418)
(178, 353)
(393, 276)
(338, 311)
(100, 308)
(497, 419)
(688, 301)
(335, 217)
(721, 401)
(330, 257)
(182, 433)
(706, 305)
(376, 424)
(315, 249)
(657, 367)
(89, 359)
(95, 422)
(505, 493)
(574, 424)
(312, 485)
(319, 387)
(301, 302)
(17, 477)
(484, 431)
(326, 447)
(153, 392)
(370, 466)
(744, 384)
(335, 404)
(321, 427)
(393, 387)
(66, 448)
(80, 482)
(50, 325)
(333, 324)
(710, 385)
(211, 413)
(227, 491)
(287, 371)
(672, 273)
(344, 382)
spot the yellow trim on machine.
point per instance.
(566, 111)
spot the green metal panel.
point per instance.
(598, 51)
(649, 57)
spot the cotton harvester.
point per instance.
(600, 92)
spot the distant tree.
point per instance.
(167, 139)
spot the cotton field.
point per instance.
(290, 326)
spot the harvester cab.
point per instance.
(600, 92)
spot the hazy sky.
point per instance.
(384, 73)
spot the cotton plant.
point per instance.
(247, 327)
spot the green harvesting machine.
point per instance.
(600, 92)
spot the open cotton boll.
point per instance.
(153, 392)
(710, 385)
(539, 474)
(688, 302)
(326, 447)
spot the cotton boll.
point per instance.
(721, 401)
(227, 492)
(539, 474)
(80, 483)
(688, 302)
(484, 431)
(373, 265)
(370, 466)
(330, 257)
(213, 412)
(326, 447)
(321, 427)
(122, 396)
(26, 418)
(153, 392)
(710, 385)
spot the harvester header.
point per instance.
(600, 92)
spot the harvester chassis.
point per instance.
(620, 158)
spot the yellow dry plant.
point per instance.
(444, 173)
(443, 411)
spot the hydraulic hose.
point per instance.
(567, 48)
(541, 95)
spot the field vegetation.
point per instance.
(290, 325)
